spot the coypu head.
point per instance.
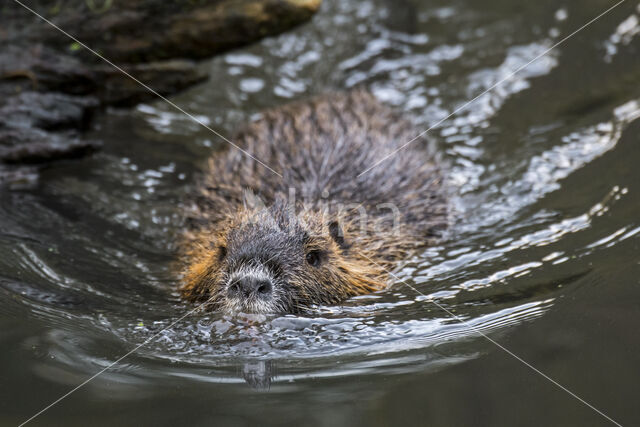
(271, 260)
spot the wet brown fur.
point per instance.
(319, 147)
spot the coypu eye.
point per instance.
(313, 258)
(222, 252)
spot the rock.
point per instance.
(50, 86)
(26, 66)
(24, 150)
(164, 77)
(18, 178)
(39, 68)
(28, 119)
(151, 30)
(50, 111)
(33, 146)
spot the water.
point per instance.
(543, 258)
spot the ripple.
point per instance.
(623, 35)
(88, 254)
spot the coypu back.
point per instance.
(320, 147)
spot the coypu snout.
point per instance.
(262, 255)
(251, 289)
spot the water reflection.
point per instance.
(258, 374)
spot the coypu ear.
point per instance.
(251, 200)
(336, 233)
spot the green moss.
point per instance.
(95, 7)
(55, 9)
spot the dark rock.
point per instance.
(36, 67)
(165, 78)
(39, 68)
(47, 111)
(151, 30)
(28, 119)
(18, 178)
(33, 146)
(50, 85)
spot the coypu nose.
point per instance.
(250, 286)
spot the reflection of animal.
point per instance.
(258, 374)
(262, 251)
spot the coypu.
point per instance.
(320, 233)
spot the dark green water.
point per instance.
(544, 257)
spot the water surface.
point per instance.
(544, 257)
